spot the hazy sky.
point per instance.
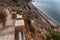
(47, 0)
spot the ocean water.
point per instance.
(49, 7)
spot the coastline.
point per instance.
(47, 17)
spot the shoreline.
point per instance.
(47, 17)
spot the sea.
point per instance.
(49, 7)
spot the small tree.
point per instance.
(18, 12)
(15, 1)
(53, 35)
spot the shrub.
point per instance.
(18, 12)
(15, 1)
(53, 35)
(22, 5)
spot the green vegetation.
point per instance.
(28, 6)
(53, 35)
(18, 12)
(15, 1)
(22, 5)
(57, 36)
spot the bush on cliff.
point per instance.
(15, 1)
(18, 12)
(53, 35)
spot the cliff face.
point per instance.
(6, 3)
(37, 24)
